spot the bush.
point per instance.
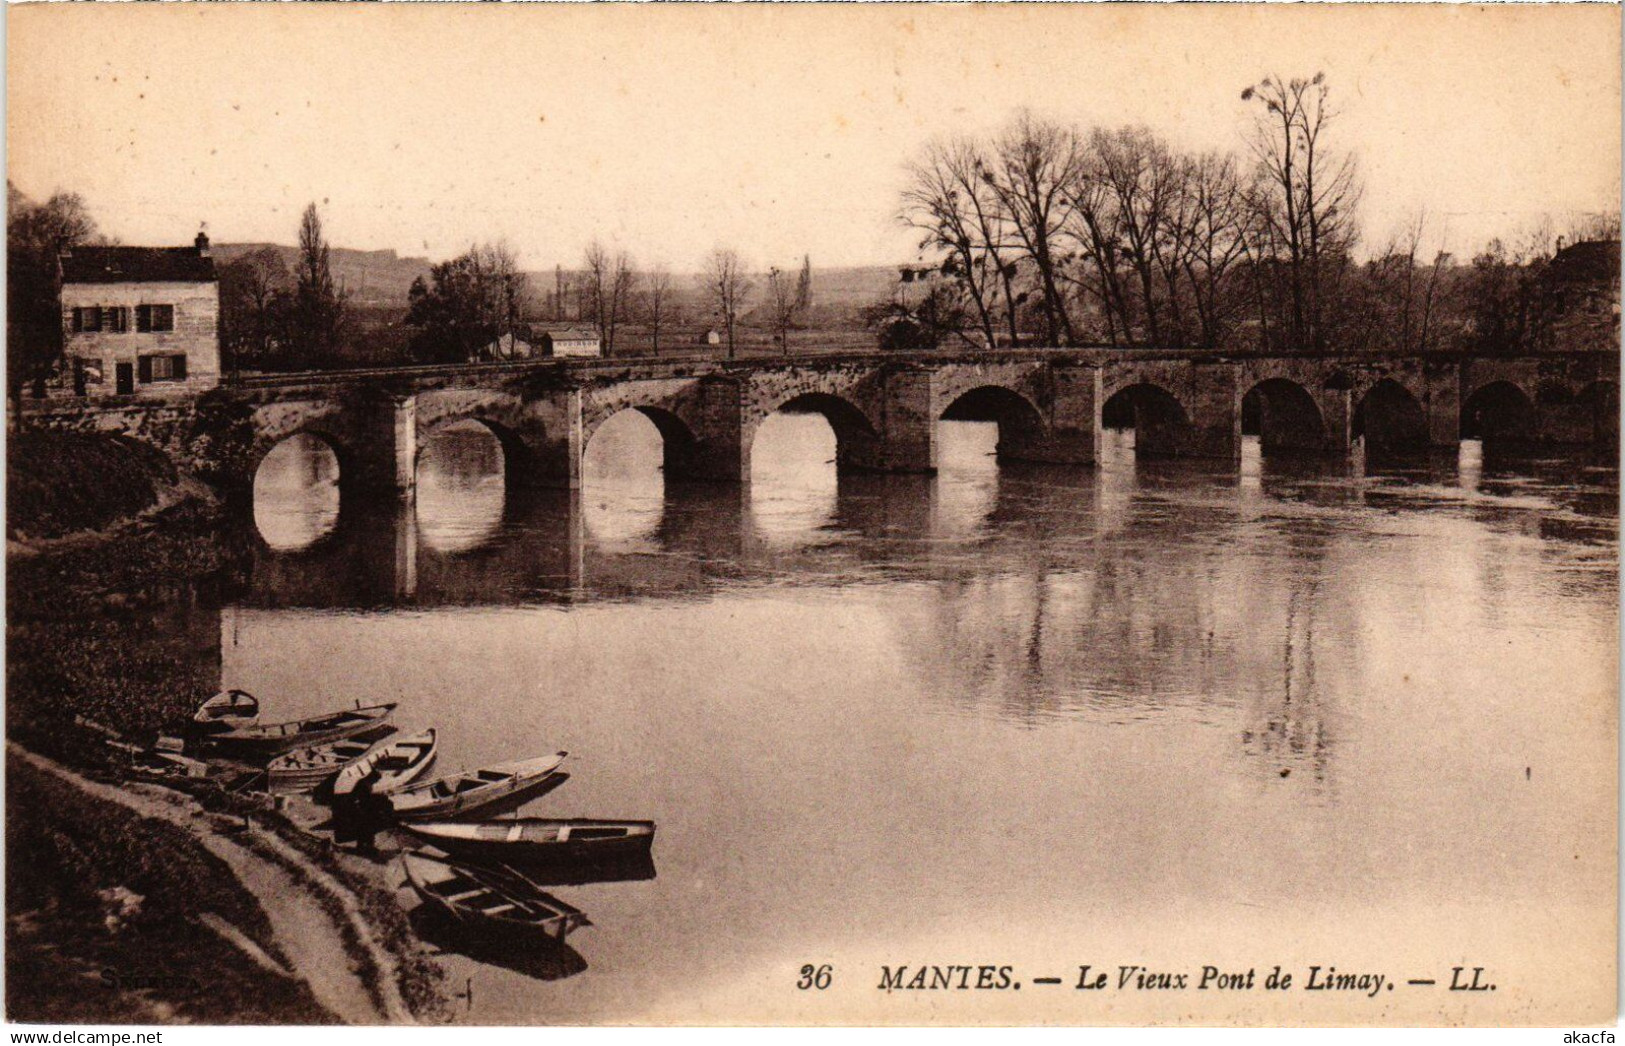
(61, 482)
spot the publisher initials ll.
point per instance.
(1474, 985)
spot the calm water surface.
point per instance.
(1157, 713)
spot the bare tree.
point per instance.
(319, 309)
(1032, 165)
(1306, 210)
(253, 304)
(1215, 241)
(949, 200)
(782, 304)
(594, 293)
(729, 287)
(657, 302)
(621, 280)
(804, 291)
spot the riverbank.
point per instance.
(129, 901)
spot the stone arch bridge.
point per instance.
(1051, 405)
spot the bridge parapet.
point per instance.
(1050, 405)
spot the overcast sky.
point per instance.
(780, 131)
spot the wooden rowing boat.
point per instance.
(468, 791)
(274, 739)
(499, 899)
(524, 840)
(303, 769)
(227, 710)
(398, 762)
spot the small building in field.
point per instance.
(140, 320)
(711, 337)
(569, 341)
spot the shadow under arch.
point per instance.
(856, 438)
(1284, 416)
(1499, 414)
(630, 457)
(1162, 426)
(677, 439)
(463, 484)
(1391, 421)
(1021, 425)
(518, 461)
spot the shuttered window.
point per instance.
(154, 318)
(161, 368)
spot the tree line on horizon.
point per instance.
(1041, 233)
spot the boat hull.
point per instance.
(418, 803)
(263, 742)
(559, 919)
(584, 850)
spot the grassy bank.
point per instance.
(118, 631)
(122, 628)
(60, 483)
(104, 919)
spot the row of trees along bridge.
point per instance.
(1058, 235)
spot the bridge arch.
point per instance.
(677, 438)
(1285, 417)
(1390, 419)
(1498, 413)
(1021, 424)
(856, 437)
(298, 488)
(1161, 424)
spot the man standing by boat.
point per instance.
(360, 815)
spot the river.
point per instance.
(1159, 713)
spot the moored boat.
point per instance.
(227, 710)
(458, 795)
(534, 839)
(490, 898)
(397, 763)
(275, 738)
(305, 768)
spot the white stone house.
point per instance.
(570, 341)
(140, 321)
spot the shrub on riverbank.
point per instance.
(102, 911)
(63, 482)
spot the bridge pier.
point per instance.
(1441, 401)
(906, 440)
(713, 450)
(1072, 422)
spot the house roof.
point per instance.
(137, 265)
(577, 333)
(1587, 261)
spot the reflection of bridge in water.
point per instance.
(545, 546)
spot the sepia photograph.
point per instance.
(920, 515)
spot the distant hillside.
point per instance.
(382, 278)
(370, 277)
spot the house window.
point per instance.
(91, 319)
(155, 317)
(162, 368)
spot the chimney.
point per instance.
(202, 242)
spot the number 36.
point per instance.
(812, 977)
